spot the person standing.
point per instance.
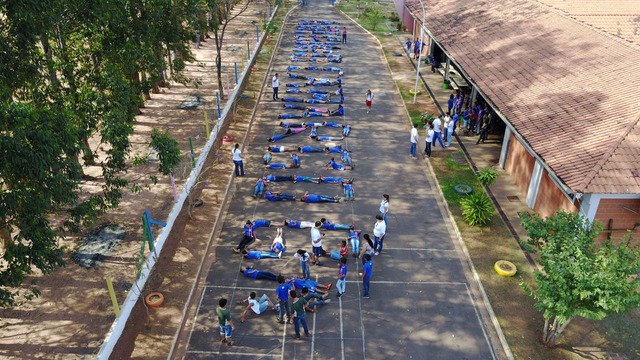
(224, 321)
(282, 291)
(368, 100)
(450, 127)
(237, 160)
(316, 243)
(303, 257)
(484, 129)
(445, 128)
(344, 35)
(408, 44)
(275, 84)
(298, 309)
(341, 284)
(367, 271)
(450, 104)
(414, 141)
(437, 132)
(428, 140)
(384, 207)
(379, 231)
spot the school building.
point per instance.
(563, 78)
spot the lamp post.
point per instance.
(424, 16)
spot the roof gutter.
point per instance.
(571, 195)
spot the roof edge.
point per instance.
(607, 155)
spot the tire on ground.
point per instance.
(505, 268)
(463, 189)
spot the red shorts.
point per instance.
(368, 102)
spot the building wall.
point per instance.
(622, 218)
(519, 164)
(550, 198)
(404, 15)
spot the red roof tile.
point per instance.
(572, 89)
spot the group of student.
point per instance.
(316, 41)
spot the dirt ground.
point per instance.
(73, 314)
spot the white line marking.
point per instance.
(420, 249)
(313, 333)
(414, 282)
(195, 318)
(230, 353)
(237, 287)
(341, 328)
(484, 332)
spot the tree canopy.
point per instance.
(579, 277)
(72, 70)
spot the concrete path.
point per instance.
(424, 303)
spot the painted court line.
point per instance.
(232, 353)
(341, 329)
(420, 249)
(484, 332)
(412, 282)
(237, 287)
(195, 320)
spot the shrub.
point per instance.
(477, 209)
(487, 176)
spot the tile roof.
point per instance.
(569, 89)
(620, 18)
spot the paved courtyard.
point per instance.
(424, 302)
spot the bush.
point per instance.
(477, 209)
(487, 176)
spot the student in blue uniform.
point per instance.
(258, 190)
(367, 272)
(276, 196)
(316, 198)
(250, 272)
(334, 165)
(328, 225)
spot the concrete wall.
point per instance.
(550, 198)
(519, 164)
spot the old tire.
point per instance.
(505, 268)
(227, 139)
(414, 92)
(463, 189)
(154, 299)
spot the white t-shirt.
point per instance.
(436, 124)
(255, 305)
(368, 97)
(306, 224)
(450, 126)
(414, 135)
(384, 207)
(315, 235)
(275, 82)
(236, 154)
(379, 228)
(429, 136)
(302, 258)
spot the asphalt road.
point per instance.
(423, 305)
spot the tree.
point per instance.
(73, 70)
(579, 277)
(168, 150)
(373, 15)
(221, 16)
